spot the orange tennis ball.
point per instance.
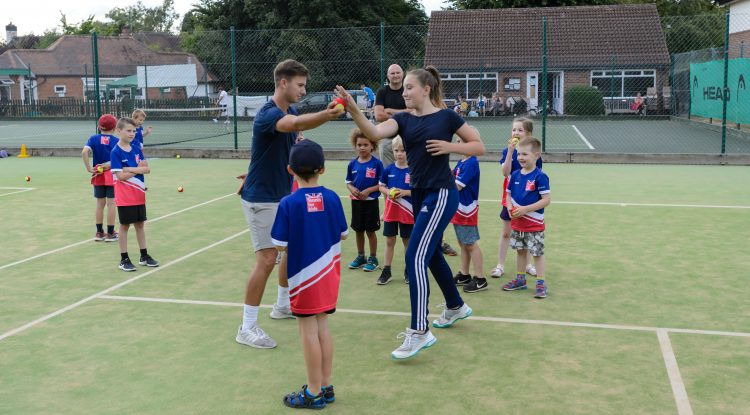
(180, 189)
(340, 104)
(28, 179)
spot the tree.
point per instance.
(141, 18)
(344, 47)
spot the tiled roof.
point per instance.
(586, 37)
(71, 56)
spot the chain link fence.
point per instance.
(672, 85)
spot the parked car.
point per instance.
(318, 101)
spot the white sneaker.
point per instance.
(255, 337)
(226, 122)
(215, 120)
(413, 343)
(497, 272)
(280, 313)
(448, 317)
(530, 270)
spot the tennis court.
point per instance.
(647, 310)
(643, 135)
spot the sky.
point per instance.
(36, 16)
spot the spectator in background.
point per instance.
(388, 102)
(497, 105)
(370, 100)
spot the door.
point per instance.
(558, 91)
(532, 89)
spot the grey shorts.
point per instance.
(386, 152)
(531, 241)
(467, 235)
(260, 217)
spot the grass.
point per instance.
(632, 265)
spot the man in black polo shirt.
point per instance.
(389, 101)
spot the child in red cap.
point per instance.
(101, 145)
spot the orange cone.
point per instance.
(23, 154)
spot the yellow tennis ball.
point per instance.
(338, 107)
(100, 169)
(515, 140)
(177, 156)
(393, 193)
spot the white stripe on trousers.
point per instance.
(420, 256)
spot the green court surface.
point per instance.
(627, 135)
(647, 309)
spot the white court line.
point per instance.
(19, 190)
(673, 371)
(582, 137)
(89, 240)
(11, 125)
(114, 287)
(473, 317)
(625, 204)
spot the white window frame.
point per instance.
(60, 89)
(620, 73)
(470, 76)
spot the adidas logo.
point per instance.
(424, 209)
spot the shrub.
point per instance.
(584, 100)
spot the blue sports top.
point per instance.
(428, 171)
(267, 179)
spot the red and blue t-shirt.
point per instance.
(467, 175)
(364, 175)
(310, 223)
(398, 210)
(131, 192)
(524, 190)
(514, 165)
(101, 146)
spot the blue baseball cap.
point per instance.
(306, 157)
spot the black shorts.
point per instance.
(365, 215)
(504, 214)
(101, 192)
(331, 311)
(397, 228)
(131, 214)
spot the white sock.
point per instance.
(282, 298)
(249, 316)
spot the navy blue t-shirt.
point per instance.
(267, 179)
(428, 171)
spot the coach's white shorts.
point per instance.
(260, 217)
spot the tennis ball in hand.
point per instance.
(100, 169)
(515, 140)
(393, 193)
(340, 104)
(180, 189)
(28, 179)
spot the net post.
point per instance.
(382, 53)
(95, 63)
(234, 83)
(544, 84)
(725, 91)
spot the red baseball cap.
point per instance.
(107, 122)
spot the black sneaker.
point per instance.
(328, 394)
(476, 284)
(385, 276)
(406, 277)
(126, 265)
(461, 279)
(148, 261)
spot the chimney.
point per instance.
(11, 31)
(125, 31)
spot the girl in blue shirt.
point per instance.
(427, 132)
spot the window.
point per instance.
(468, 85)
(60, 89)
(623, 84)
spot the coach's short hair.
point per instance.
(288, 69)
(534, 143)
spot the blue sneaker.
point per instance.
(358, 262)
(328, 394)
(541, 290)
(371, 265)
(517, 284)
(302, 399)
